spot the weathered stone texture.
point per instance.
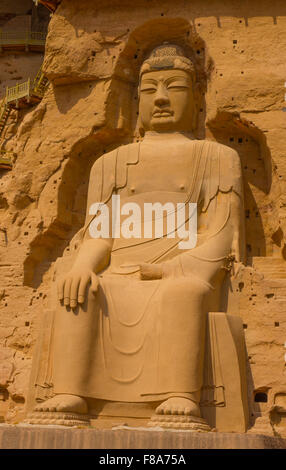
(51, 437)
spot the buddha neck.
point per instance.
(167, 136)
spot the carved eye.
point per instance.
(148, 90)
(177, 86)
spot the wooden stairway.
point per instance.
(40, 84)
(20, 96)
(5, 111)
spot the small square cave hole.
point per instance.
(260, 397)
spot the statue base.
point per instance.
(190, 423)
(124, 437)
(58, 418)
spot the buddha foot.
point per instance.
(67, 410)
(178, 406)
(179, 413)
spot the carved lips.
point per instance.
(162, 113)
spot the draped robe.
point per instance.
(121, 345)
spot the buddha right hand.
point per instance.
(72, 287)
(150, 271)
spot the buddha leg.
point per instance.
(75, 332)
(181, 325)
(74, 335)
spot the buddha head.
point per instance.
(166, 91)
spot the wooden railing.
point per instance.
(18, 38)
(4, 115)
(30, 92)
(28, 88)
(40, 83)
(19, 91)
(2, 106)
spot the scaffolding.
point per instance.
(25, 40)
(17, 97)
(29, 92)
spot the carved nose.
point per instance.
(161, 96)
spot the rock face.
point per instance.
(93, 55)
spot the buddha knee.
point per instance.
(188, 289)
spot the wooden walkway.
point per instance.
(22, 41)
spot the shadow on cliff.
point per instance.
(67, 96)
(250, 143)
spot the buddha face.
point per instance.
(166, 101)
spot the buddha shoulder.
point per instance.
(103, 160)
(212, 149)
(223, 150)
(220, 157)
(128, 153)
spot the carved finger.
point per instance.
(82, 287)
(67, 291)
(73, 292)
(60, 288)
(94, 283)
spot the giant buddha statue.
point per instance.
(130, 320)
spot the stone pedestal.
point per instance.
(59, 437)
